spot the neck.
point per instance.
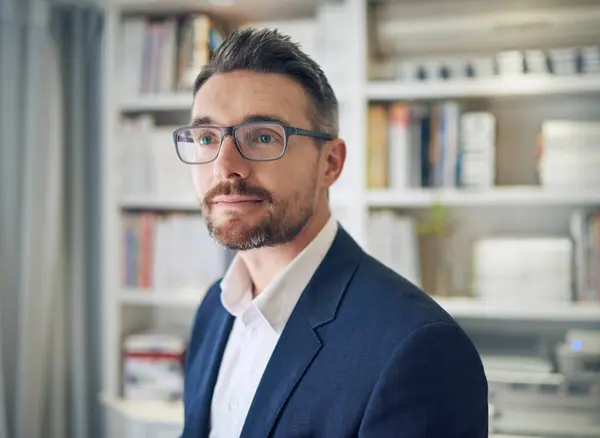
(264, 264)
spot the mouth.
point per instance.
(236, 200)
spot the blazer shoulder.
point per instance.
(390, 312)
(395, 300)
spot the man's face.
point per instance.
(249, 204)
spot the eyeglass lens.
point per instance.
(259, 141)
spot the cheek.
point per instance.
(297, 183)
(281, 180)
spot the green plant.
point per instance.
(438, 223)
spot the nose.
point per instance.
(230, 164)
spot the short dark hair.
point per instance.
(269, 51)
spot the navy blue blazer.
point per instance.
(365, 353)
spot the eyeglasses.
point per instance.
(256, 141)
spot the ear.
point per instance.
(333, 158)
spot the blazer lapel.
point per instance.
(294, 352)
(206, 366)
(299, 343)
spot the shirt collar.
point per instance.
(277, 301)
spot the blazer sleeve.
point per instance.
(433, 386)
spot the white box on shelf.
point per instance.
(510, 63)
(477, 149)
(523, 270)
(564, 61)
(483, 67)
(536, 62)
(407, 71)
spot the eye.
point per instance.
(265, 138)
(205, 139)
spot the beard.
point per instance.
(282, 222)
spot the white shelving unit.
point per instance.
(344, 59)
(149, 202)
(162, 298)
(474, 309)
(156, 102)
(127, 309)
(496, 87)
(523, 196)
(143, 419)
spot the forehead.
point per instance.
(229, 98)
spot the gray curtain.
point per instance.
(49, 190)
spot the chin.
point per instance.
(238, 233)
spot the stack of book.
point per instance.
(169, 252)
(591, 59)
(477, 160)
(435, 145)
(153, 367)
(585, 232)
(164, 54)
(569, 154)
(149, 162)
(393, 241)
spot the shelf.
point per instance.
(148, 412)
(496, 435)
(233, 12)
(157, 102)
(493, 87)
(457, 307)
(161, 202)
(177, 298)
(471, 308)
(524, 377)
(505, 196)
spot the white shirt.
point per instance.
(256, 330)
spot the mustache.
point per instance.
(238, 187)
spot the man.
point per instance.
(306, 335)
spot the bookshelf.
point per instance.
(517, 204)
(515, 194)
(137, 128)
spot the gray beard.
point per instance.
(278, 228)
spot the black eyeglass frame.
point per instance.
(230, 131)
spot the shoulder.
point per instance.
(395, 300)
(405, 323)
(388, 311)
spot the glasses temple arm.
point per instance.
(307, 133)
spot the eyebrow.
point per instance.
(248, 119)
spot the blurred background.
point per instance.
(473, 134)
